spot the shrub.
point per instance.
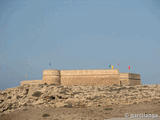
(108, 108)
(69, 105)
(45, 115)
(37, 94)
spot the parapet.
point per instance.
(88, 72)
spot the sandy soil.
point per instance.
(91, 113)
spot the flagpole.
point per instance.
(50, 65)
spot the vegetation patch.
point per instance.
(37, 94)
(108, 108)
(45, 115)
(69, 105)
(9, 97)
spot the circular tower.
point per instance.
(51, 77)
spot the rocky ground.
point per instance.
(51, 102)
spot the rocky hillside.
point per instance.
(76, 96)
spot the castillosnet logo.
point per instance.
(141, 115)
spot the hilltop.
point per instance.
(88, 98)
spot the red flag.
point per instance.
(129, 67)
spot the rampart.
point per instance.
(104, 77)
(32, 82)
(89, 77)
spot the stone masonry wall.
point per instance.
(51, 77)
(130, 79)
(90, 77)
(87, 77)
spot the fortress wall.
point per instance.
(51, 77)
(134, 76)
(130, 79)
(124, 82)
(90, 77)
(124, 78)
(31, 82)
(88, 72)
(130, 76)
(89, 80)
(134, 82)
(87, 77)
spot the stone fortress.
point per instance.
(101, 77)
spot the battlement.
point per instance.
(100, 77)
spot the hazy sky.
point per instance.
(78, 34)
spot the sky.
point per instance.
(78, 34)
